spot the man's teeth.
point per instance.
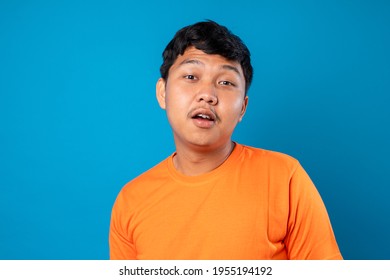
(204, 116)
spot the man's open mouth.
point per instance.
(203, 117)
(203, 114)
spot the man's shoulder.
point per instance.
(269, 156)
(149, 179)
(259, 162)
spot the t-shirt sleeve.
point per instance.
(310, 234)
(121, 245)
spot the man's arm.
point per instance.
(310, 234)
(121, 247)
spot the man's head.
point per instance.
(210, 38)
(205, 76)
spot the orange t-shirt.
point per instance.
(257, 205)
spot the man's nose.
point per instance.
(207, 93)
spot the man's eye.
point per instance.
(226, 83)
(189, 77)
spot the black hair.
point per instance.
(211, 38)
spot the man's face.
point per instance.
(204, 97)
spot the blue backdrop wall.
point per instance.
(79, 118)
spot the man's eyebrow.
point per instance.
(198, 62)
(191, 61)
(231, 67)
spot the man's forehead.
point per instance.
(196, 53)
(198, 57)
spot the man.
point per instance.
(214, 198)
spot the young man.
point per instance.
(214, 198)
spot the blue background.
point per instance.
(79, 118)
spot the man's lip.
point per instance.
(204, 111)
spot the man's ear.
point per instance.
(160, 93)
(243, 109)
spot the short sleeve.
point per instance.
(309, 233)
(121, 245)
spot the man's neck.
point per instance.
(194, 162)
